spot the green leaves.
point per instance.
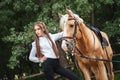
(21, 41)
(113, 28)
(17, 18)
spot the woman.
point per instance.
(44, 51)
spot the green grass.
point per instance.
(117, 76)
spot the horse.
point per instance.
(88, 45)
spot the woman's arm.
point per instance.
(57, 36)
(32, 56)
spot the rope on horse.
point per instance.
(98, 59)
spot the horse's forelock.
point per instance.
(63, 19)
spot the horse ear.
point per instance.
(60, 15)
(69, 12)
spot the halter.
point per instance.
(73, 43)
(76, 24)
(75, 30)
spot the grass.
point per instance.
(117, 76)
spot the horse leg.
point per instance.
(109, 55)
(109, 67)
(83, 68)
(102, 71)
(95, 71)
(85, 71)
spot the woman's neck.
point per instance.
(43, 35)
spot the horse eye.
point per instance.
(71, 26)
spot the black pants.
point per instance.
(53, 65)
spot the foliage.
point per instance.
(20, 41)
(117, 76)
(18, 16)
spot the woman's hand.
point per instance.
(64, 46)
(42, 59)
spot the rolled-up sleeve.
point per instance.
(32, 56)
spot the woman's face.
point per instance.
(38, 30)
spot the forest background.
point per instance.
(16, 28)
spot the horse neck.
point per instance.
(86, 40)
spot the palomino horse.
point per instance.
(89, 46)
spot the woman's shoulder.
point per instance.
(33, 43)
(50, 33)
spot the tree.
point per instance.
(18, 17)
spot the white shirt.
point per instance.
(46, 47)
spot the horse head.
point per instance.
(70, 24)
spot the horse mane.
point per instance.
(64, 18)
